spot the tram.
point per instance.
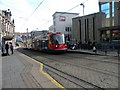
(49, 42)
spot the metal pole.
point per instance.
(83, 12)
(118, 22)
(118, 51)
(27, 39)
(27, 33)
(83, 7)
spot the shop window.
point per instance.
(105, 35)
(116, 35)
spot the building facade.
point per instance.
(20, 37)
(0, 27)
(51, 28)
(7, 26)
(85, 28)
(62, 22)
(110, 30)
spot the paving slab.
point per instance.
(20, 71)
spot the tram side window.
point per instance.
(51, 40)
(46, 42)
(37, 43)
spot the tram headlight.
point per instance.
(65, 45)
(56, 46)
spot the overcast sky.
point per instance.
(22, 11)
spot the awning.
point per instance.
(8, 37)
(110, 28)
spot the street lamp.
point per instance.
(27, 33)
(83, 7)
(83, 13)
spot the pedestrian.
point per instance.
(11, 48)
(3, 48)
(7, 48)
(94, 49)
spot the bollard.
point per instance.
(118, 52)
(105, 52)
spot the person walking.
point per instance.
(94, 49)
(11, 48)
(7, 48)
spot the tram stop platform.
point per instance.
(82, 51)
(21, 71)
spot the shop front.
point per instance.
(7, 38)
(109, 34)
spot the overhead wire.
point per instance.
(58, 16)
(33, 12)
(36, 9)
(84, 1)
(64, 13)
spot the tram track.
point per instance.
(81, 66)
(104, 61)
(80, 82)
(84, 66)
(73, 79)
(66, 75)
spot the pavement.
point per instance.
(21, 71)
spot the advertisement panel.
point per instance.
(62, 18)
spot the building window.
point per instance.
(112, 8)
(105, 8)
(113, 23)
(68, 29)
(105, 35)
(116, 35)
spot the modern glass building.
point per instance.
(110, 30)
